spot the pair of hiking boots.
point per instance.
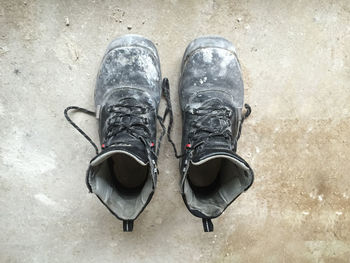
(128, 91)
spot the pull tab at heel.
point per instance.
(207, 225)
(128, 225)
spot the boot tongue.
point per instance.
(130, 144)
(212, 147)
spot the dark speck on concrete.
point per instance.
(16, 71)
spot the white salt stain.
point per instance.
(148, 65)
(201, 81)
(207, 55)
(44, 199)
(227, 59)
(123, 61)
(140, 59)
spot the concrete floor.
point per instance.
(296, 65)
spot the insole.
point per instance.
(205, 174)
(127, 171)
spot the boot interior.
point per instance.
(127, 172)
(123, 184)
(210, 169)
(212, 185)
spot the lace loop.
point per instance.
(76, 126)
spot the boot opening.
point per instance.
(123, 183)
(206, 174)
(127, 172)
(213, 184)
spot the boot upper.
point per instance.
(211, 82)
(127, 95)
(211, 97)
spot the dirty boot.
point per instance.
(211, 98)
(123, 174)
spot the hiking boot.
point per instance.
(211, 97)
(128, 89)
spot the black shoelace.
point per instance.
(125, 110)
(91, 113)
(202, 126)
(127, 117)
(136, 126)
(205, 112)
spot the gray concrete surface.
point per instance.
(296, 65)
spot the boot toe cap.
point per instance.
(208, 42)
(133, 40)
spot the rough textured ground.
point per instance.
(296, 66)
